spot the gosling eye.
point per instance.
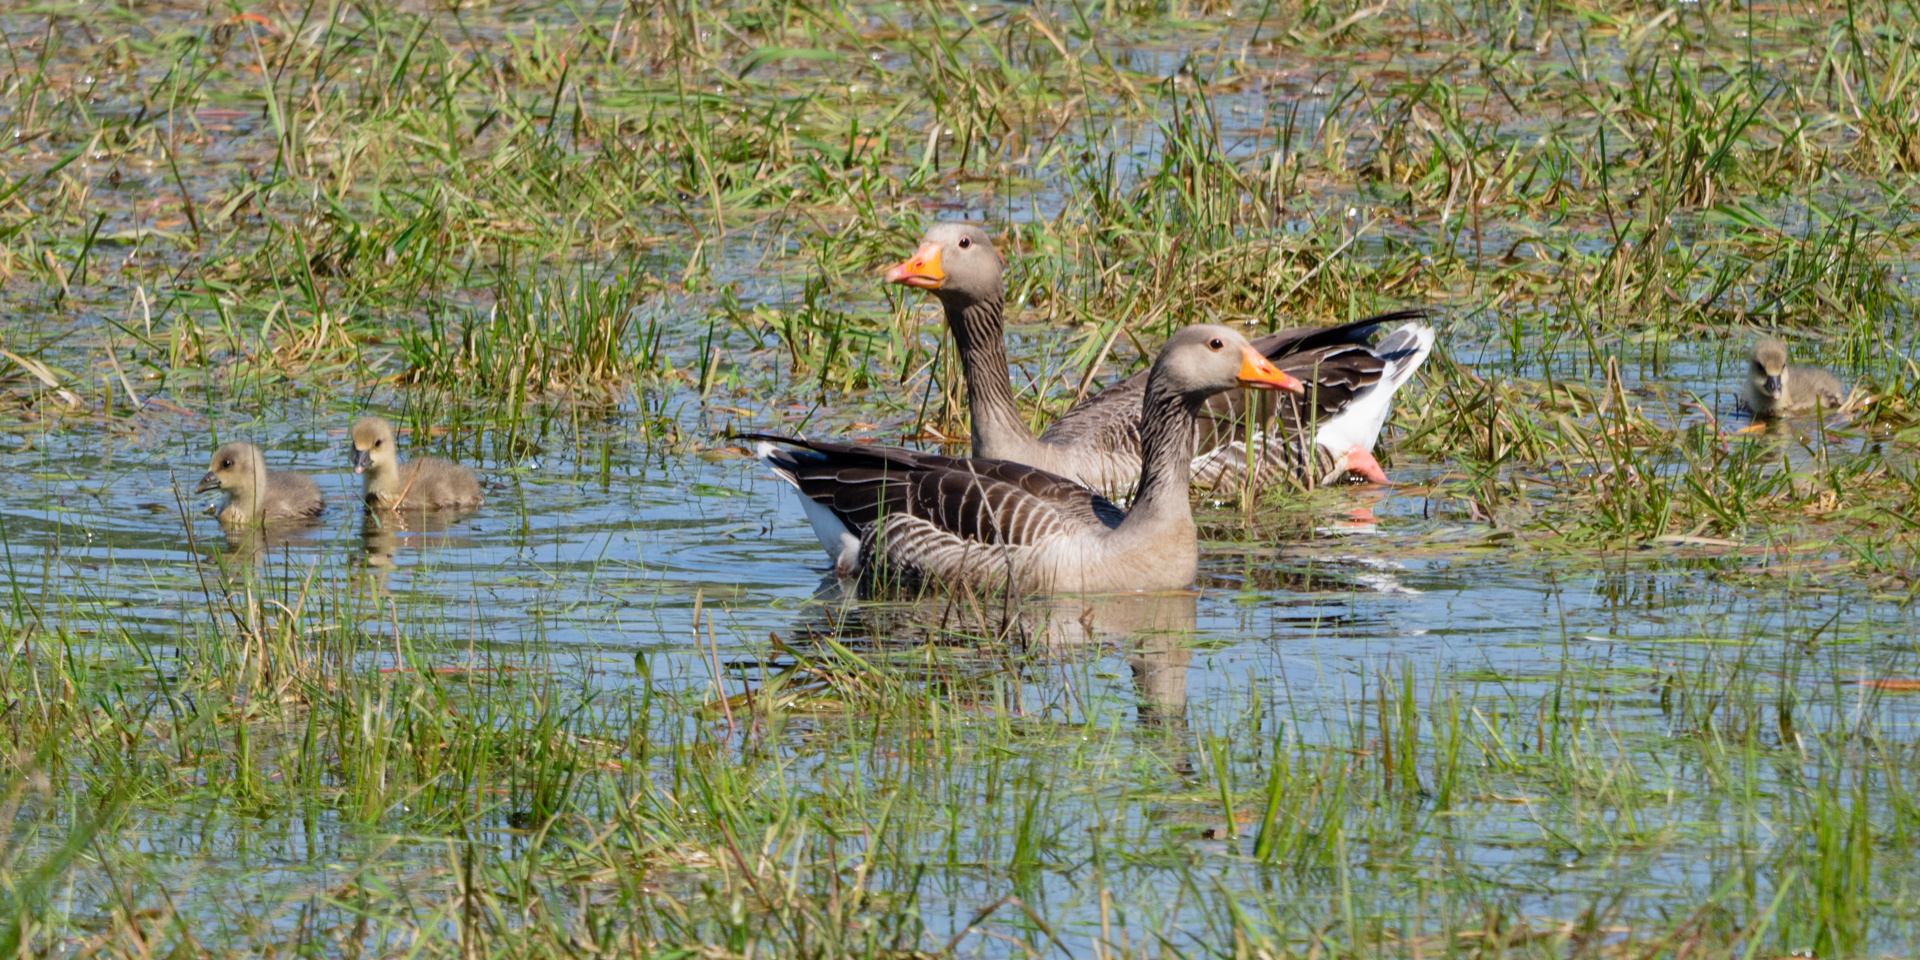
(1216, 344)
(378, 442)
(224, 464)
(966, 242)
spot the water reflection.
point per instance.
(384, 531)
(1153, 631)
(253, 544)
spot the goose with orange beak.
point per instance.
(1323, 434)
(896, 518)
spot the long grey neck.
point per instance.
(980, 333)
(1166, 460)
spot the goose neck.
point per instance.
(1167, 422)
(979, 334)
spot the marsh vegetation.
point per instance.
(1608, 675)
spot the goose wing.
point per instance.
(1337, 364)
(935, 508)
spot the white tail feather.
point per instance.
(839, 540)
(1359, 425)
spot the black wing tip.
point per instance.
(1401, 315)
(1407, 313)
(766, 437)
(1353, 332)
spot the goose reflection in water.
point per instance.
(384, 532)
(253, 544)
(1151, 630)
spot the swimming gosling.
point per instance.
(256, 494)
(1775, 389)
(427, 482)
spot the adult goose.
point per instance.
(1324, 434)
(901, 518)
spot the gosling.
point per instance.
(1774, 389)
(256, 494)
(426, 482)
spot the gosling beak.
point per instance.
(1259, 373)
(1773, 387)
(922, 271)
(208, 482)
(360, 459)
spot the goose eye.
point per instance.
(1216, 344)
(966, 242)
(378, 442)
(225, 464)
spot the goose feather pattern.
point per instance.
(931, 517)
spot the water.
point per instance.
(575, 572)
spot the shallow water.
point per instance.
(572, 572)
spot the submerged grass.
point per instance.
(859, 811)
(508, 222)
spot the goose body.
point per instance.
(255, 494)
(1775, 388)
(1313, 439)
(904, 518)
(423, 482)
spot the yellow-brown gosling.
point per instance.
(426, 482)
(1775, 389)
(256, 494)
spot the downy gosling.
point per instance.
(256, 494)
(1775, 389)
(426, 482)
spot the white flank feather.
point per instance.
(839, 540)
(1360, 423)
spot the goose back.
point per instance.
(922, 517)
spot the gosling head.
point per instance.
(954, 260)
(373, 447)
(237, 468)
(1769, 365)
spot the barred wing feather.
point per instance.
(925, 514)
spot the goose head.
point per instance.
(955, 261)
(373, 448)
(235, 468)
(1202, 360)
(1769, 367)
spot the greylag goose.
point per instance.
(1775, 389)
(424, 482)
(903, 518)
(1329, 431)
(255, 494)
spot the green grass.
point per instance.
(521, 224)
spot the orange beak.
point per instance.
(922, 271)
(1259, 373)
